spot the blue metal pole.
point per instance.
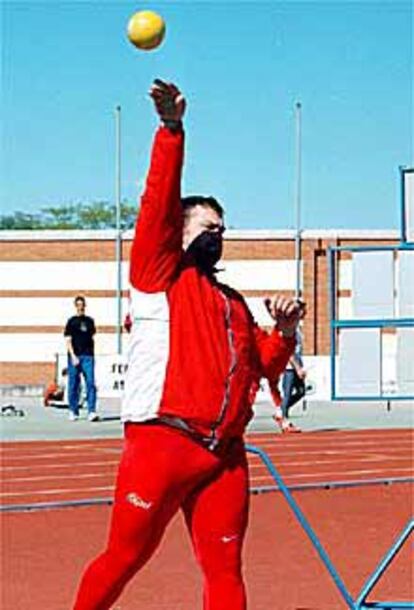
(306, 526)
(382, 566)
(403, 232)
(400, 246)
(374, 323)
(332, 321)
(387, 605)
(118, 229)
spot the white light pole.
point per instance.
(298, 194)
(118, 255)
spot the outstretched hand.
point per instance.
(169, 102)
(286, 313)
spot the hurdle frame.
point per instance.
(336, 324)
(360, 603)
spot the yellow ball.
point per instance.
(146, 30)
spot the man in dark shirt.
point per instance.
(79, 333)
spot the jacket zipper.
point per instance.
(233, 361)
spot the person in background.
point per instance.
(293, 387)
(55, 394)
(128, 323)
(79, 333)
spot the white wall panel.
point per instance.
(405, 283)
(359, 363)
(241, 274)
(389, 363)
(61, 275)
(373, 284)
(344, 311)
(345, 275)
(42, 347)
(405, 361)
(259, 274)
(259, 311)
(54, 311)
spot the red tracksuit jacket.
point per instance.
(195, 350)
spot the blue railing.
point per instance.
(360, 603)
(336, 324)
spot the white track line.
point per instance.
(344, 432)
(273, 437)
(302, 437)
(56, 491)
(336, 474)
(268, 442)
(39, 445)
(53, 478)
(71, 466)
(337, 443)
(252, 480)
(264, 446)
(4, 451)
(340, 451)
(46, 456)
(278, 457)
(253, 468)
(378, 458)
(323, 462)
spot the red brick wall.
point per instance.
(27, 373)
(315, 274)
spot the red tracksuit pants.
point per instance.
(161, 471)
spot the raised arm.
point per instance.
(157, 245)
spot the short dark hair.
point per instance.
(193, 201)
(78, 298)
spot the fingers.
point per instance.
(168, 99)
(283, 305)
(159, 89)
(160, 84)
(279, 306)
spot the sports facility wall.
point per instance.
(42, 272)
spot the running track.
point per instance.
(55, 472)
(45, 551)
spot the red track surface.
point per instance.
(57, 471)
(45, 551)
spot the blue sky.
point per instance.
(242, 66)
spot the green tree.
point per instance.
(89, 215)
(20, 220)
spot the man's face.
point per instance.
(80, 307)
(201, 219)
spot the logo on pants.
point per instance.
(137, 501)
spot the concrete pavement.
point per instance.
(50, 423)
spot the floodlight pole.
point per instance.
(118, 255)
(298, 194)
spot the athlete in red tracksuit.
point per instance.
(195, 353)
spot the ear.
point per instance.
(185, 233)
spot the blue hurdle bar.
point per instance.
(306, 526)
(386, 605)
(360, 603)
(379, 571)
